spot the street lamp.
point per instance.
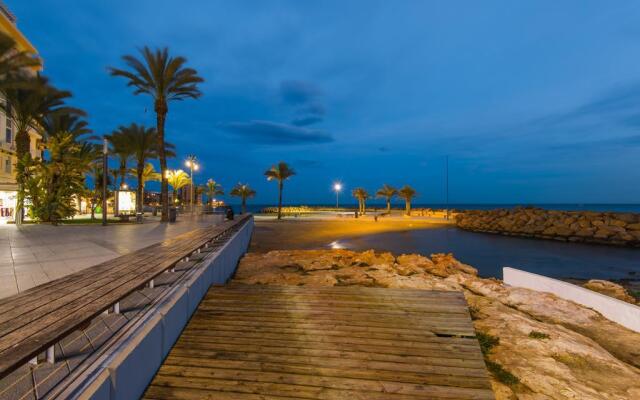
(193, 166)
(105, 168)
(337, 187)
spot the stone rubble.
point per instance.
(622, 229)
(555, 349)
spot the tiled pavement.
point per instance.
(35, 254)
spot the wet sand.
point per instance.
(295, 234)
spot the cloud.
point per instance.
(298, 92)
(304, 98)
(268, 132)
(604, 144)
(307, 120)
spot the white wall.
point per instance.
(615, 310)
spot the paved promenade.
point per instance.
(35, 254)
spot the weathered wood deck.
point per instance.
(282, 342)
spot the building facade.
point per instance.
(8, 158)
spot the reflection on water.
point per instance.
(489, 253)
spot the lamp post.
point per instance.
(193, 166)
(337, 187)
(105, 166)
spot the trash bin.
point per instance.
(173, 212)
(139, 218)
(229, 213)
(155, 211)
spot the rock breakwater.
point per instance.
(621, 229)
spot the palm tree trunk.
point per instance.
(140, 190)
(408, 207)
(388, 206)
(161, 115)
(123, 172)
(280, 187)
(22, 149)
(364, 206)
(244, 205)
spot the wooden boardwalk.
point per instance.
(283, 342)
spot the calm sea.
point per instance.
(255, 208)
(489, 253)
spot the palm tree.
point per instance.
(56, 124)
(121, 147)
(177, 179)
(243, 191)
(148, 174)
(280, 172)
(407, 193)
(213, 189)
(387, 192)
(141, 144)
(362, 195)
(13, 63)
(28, 107)
(95, 195)
(165, 79)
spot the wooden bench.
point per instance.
(33, 321)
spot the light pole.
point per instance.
(105, 166)
(193, 166)
(337, 187)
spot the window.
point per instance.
(9, 132)
(7, 165)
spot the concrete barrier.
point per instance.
(124, 371)
(625, 314)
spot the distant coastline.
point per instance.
(601, 207)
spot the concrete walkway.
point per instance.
(35, 254)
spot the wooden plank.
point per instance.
(325, 343)
(337, 370)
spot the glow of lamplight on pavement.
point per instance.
(336, 245)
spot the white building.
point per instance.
(8, 159)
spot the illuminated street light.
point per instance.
(192, 163)
(337, 187)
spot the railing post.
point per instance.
(34, 361)
(51, 355)
(116, 308)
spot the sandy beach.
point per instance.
(314, 233)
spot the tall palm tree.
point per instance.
(164, 78)
(13, 62)
(279, 172)
(243, 191)
(213, 189)
(28, 107)
(362, 195)
(387, 192)
(121, 147)
(56, 124)
(141, 144)
(95, 194)
(407, 193)
(177, 179)
(148, 174)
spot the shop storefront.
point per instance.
(8, 200)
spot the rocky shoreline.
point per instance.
(536, 346)
(609, 228)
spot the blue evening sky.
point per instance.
(533, 101)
